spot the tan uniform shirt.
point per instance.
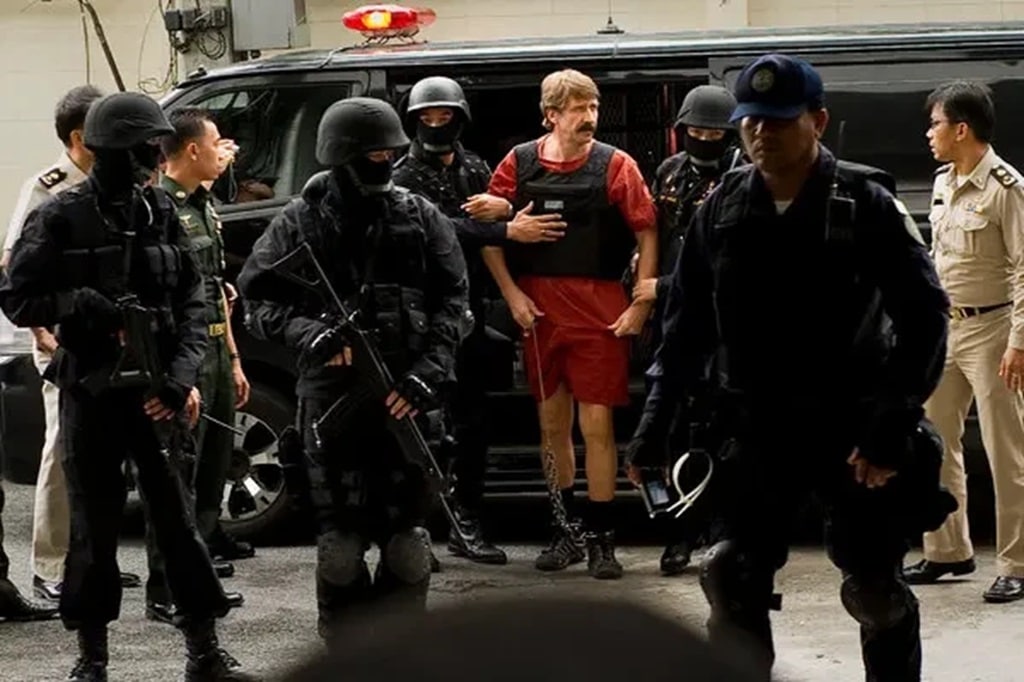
(62, 175)
(978, 237)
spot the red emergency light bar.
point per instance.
(385, 21)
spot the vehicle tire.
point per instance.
(256, 508)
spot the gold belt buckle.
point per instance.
(957, 314)
(218, 329)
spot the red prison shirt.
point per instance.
(583, 302)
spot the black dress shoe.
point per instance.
(675, 558)
(130, 580)
(224, 569)
(223, 547)
(1005, 589)
(88, 671)
(44, 589)
(166, 612)
(14, 607)
(471, 543)
(235, 599)
(926, 572)
(161, 611)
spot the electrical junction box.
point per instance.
(269, 24)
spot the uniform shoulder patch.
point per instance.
(1004, 176)
(909, 224)
(52, 178)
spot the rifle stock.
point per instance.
(369, 366)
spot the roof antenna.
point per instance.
(610, 28)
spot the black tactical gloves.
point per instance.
(885, 442)
(172, 394)
(327, 343)
(417, 392)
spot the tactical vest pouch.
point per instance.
(386, 311)
(407, 243)
(162, 265)
(401, 323)
(101, 268)
(417, 320)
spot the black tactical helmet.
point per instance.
(355, 126)
(438, 91)
(707, 106)
(124, 120)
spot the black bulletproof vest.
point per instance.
(95, 252)
(597, 242)
(382, 270)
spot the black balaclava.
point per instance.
(117, 171)
(706, 153)
(363, 185)
(439, 139)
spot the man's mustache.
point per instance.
(587, 127)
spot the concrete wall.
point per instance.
(43, 51)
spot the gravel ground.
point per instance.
(965, 639)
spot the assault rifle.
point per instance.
(139, 364)
(368, 364)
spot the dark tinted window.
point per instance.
(275, 128)
(883, 106)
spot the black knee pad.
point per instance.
(732, 581)
(407, 555)
(339, 557)
(877, 603)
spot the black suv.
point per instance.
(876, 80)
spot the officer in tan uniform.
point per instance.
(51, 523)
(977, 218)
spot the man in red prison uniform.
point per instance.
(567, 294)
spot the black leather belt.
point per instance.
(964, 313)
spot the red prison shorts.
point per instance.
(592, 363)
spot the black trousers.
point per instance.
(184, 465)
(363, 491)
(692, 527)
(759, 483)
(469, 417)
(99, 433)
(5, 563)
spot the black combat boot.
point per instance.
(563, 551)
(205, 661)
(675, 558)
(471, 544)
(601, 562)
(91, 665)
(224, 547)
